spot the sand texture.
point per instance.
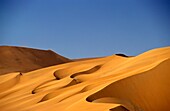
(112, 83)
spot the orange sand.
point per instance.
(21, 59)
(112, 83)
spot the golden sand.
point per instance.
(112, 83)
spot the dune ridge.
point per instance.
(112, 83)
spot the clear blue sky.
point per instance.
(86, 28)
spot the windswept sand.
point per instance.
(112, 83)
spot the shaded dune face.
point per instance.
(145, 91)
(21, 59)
(113, 83)
(123, 55)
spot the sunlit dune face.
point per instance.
(113, 83)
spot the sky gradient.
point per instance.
(86, 28)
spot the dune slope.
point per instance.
(112, 83)
(20, 59)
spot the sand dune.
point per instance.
(112, 83)
(21, 59)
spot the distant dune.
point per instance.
(112, 83)
(21, 59)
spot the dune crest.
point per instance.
(112, 83)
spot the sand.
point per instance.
(112, 83)
(22, 59)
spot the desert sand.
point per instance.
(112, 83)
(22, 59)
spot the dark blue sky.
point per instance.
(86, 28)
